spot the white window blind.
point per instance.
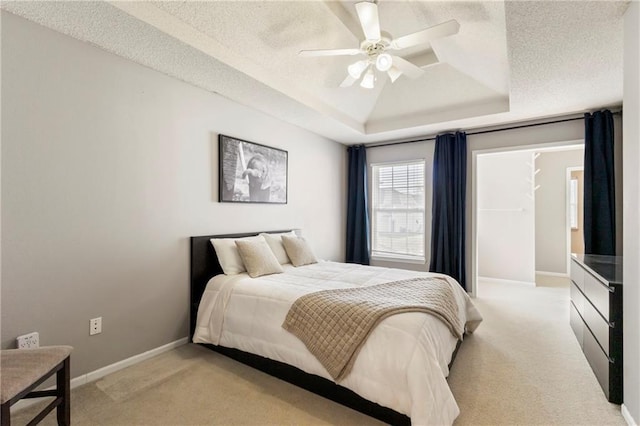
(398, 210)
(573, 203)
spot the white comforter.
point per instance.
(402, 365)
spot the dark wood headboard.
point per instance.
(204, 266)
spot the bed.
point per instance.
(400, 373)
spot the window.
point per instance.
(398, 211)
(573, 203)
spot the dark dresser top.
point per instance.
(608, 268)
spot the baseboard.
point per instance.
(101, 372)
(553, 274)
(627, 416)
(98, 374)
(503, 281)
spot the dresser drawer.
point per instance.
(598, 326)
(598, 361)
(597, 293)
(577, 274)
(576, 323)
(577, 298)
(595, 315)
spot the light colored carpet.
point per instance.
(522, 366)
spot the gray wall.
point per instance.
(551, 208)
(107, 168)
(522, 138)
(532, 137)
(631, 208)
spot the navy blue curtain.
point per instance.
(599, 184)
(357, 216)
(448, 209)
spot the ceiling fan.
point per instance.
(377, 44)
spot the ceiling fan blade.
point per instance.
(348, 81)
(368, 14)
(407, 68)
(329, 52)
(394, 73)
(424, 36)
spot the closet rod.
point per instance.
(481, 132)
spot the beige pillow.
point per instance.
(228, 255)
(258, 258)
(298, 250)
(275, 242)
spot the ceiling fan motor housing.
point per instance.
(375, 48)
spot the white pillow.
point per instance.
(275, 243)
(228, 255)
(298, 250)
(258, 258)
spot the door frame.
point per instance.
(473, 176)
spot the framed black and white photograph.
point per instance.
(250, 172)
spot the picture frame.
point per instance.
(250, 172)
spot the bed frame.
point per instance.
(204, 266)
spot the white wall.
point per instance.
(506, 216)
(107, 169)
(551, 208)
(631, 191)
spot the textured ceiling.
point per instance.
(511, 61)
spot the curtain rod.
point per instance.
(480, 132)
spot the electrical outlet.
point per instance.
(29, 341)
(95, 326)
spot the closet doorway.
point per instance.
(521, 223)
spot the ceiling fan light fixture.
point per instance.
(368, 80)
(377, 42)
(394, 73)
(384, 61)
(357, 68)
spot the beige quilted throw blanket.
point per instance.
(334, 324)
